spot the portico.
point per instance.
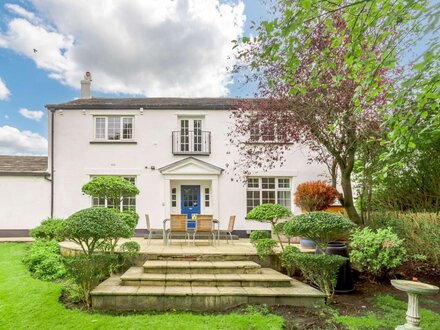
(191, 186)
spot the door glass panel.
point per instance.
(197, 135)
(184, 135)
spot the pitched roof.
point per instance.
(151, 103)
(23, 165)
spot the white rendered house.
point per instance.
(175, 150)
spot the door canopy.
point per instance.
(190, 166)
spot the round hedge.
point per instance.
(268, 212)
(322, 227)
(95, 223)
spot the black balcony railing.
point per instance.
(191, 142)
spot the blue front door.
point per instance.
(190, 200)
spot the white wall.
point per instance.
(76, 159)
(24, 201)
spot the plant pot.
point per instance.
(307, 243)
(344, 283)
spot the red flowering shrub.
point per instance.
(315, 195)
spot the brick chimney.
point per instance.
(85, 86)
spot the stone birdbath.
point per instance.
(413, 289)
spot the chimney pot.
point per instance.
(85, 86)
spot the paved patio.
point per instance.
(241, 247)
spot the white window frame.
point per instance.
(191, 145)
(252, 187)
(121, 128)
(132, 179)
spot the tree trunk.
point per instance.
(348, 196)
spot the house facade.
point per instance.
(175, 150)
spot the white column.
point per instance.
(167, 199)
(215, 198)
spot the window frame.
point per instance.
(265, 192)
(106, 128)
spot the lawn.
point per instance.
(28, 303)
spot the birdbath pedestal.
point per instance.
(413, 289)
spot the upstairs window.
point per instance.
(114, 128)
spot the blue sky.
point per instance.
(32, 82)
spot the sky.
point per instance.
(133, 48)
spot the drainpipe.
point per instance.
(52, 116)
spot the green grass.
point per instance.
(28, 303)
(391, 313)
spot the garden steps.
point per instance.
(201, 267)
(266, 278)
(162, 285)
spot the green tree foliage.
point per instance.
(322, 227)
(270, 213)
(93, 226)
(44, 260)
(49, 229)
(320, 269)
(256, 235)
(112, 188)
(377, 252)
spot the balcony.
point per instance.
(191, 143)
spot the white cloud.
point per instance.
(32, 115)
(16, 142)
(20, 11)
(4, 91)
(151, 48)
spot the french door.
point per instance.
(191, 135)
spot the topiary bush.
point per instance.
(377, 252)
(270, 213)
(287, 258)
(322, 227)
(44, 260)
(319, 269)
(265, 247)
(49, 229)
(256, 235)
(92, 227)
(112, 188)
(315, 195)
(130, 218)
(87, 271)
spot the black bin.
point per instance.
(345, 276)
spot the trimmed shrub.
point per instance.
(256, 235)
(44, 260)
(322, 227)
(269, 213)
(265, 247)
(319, 269)
(92, 227)
(87, 271)
(49, 229)
(287, 258)
(112, 188)
(315, 195)
(377, 252)
(130, 218)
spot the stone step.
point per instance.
(110, 295)
(201, 267)
(267, 278)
